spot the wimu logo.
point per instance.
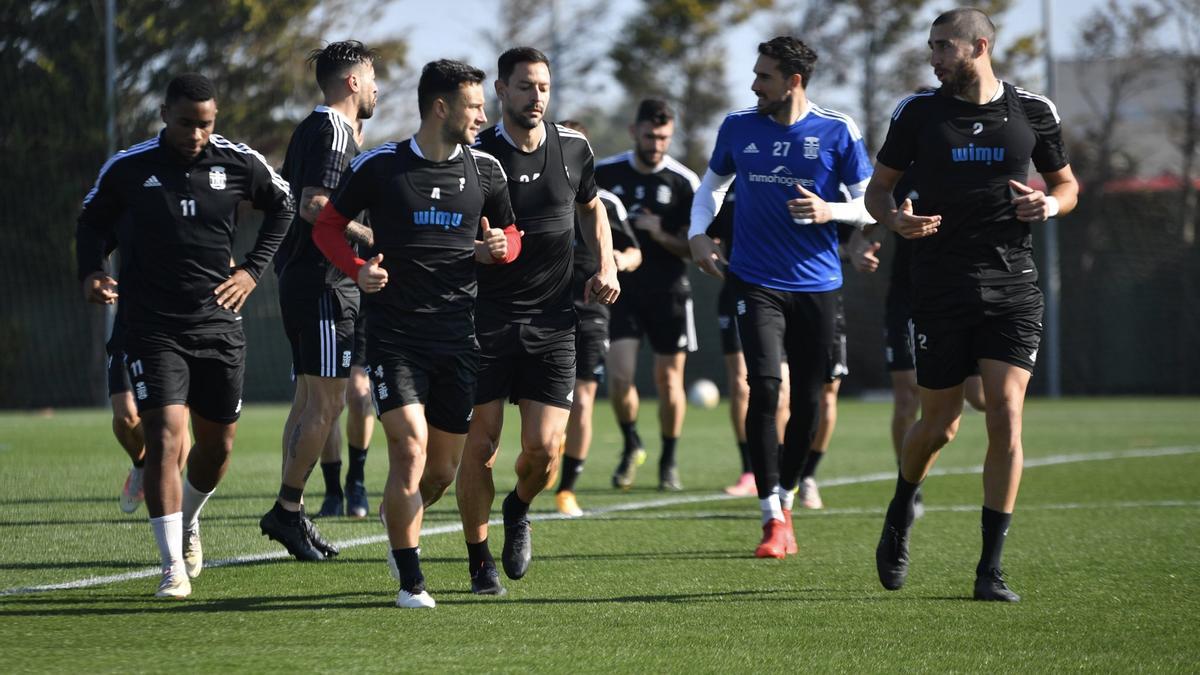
(436, 218)
(971, 153)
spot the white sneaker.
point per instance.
(422, 600)
(193, 554)
(174, 584)
(810, 496)
(132, 493)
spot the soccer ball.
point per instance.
(704, 394)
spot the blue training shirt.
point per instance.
(822, 151)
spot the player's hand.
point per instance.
(371, 277)
(494, 240)
(603, 287)
(910, 226)
(707, 255)
(809, 208)
(1031, 204)
(233, 292)
(648, 222)
(863, 253)
(100, 288)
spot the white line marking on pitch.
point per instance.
(1052, 460)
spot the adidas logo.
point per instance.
(152, 181)
(751, 149)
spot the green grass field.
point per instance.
(1104, 549)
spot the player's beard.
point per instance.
(646, 157)
(960, 78)
(366, 109)
(525, 121)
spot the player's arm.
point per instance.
(626, 253)
(314, 198)
(707, 202)
(1050, 159)
(603, 286)
(95, 238)
(270, 194)
(883, 209)
(496, 245)
(329, 231)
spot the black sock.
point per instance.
(744, 453)
(333, 477)
(994, 525)
(358, 461)
(409, 563)
(289, 517)
(571, 468)
(514, 509)
(478, 555)
(141, 463)
(811, 460)
(668, 453)
(632, 440)
(900, 511)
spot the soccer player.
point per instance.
(591, 338)
(975, 301)
(790, 159)
(657, 193)
(318, 303)
(432, 200)
(184, 343)
(525, 318)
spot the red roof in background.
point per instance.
(1167, 182)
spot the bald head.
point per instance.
(968, 24)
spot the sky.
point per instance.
(455, 29)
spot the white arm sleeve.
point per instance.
(853, 212)
(707, 202)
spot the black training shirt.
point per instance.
(667, 192)
(425, 217)
(585, 264)
(962, 156)
(176, 240)
(544, 185)
(317, 157)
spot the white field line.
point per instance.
(599, 513)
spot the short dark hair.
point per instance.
(576, 125)
(337, 58)
(442, 77)
(508, 60)
(654, 110)
(794, 57)
(192, 86)
(969, 23)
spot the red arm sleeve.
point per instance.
(329, 234)
(514, 244)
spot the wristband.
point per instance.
(1051, 206)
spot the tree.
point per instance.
(1185, 14)
(672, 49)
(52, 58)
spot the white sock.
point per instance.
(771, 508)
(786, 497)
(168, 534)
(193, 501)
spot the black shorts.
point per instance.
(955, 329)
(591, 346)
(773, 323)
(443, 382)
(202, 371)
(320, 327)
(664, 317)
(838, 364)
(520, 361)
(359, 356)
(731, 343)
(898, 332)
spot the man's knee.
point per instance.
(764, 392)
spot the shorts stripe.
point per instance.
(327, 331)
(692, 344)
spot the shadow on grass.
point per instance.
(117, 605)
